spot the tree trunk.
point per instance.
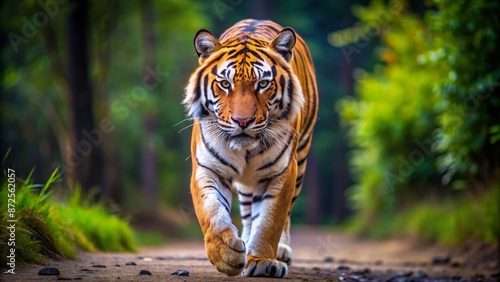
(148, 160)
(111, 159)
(342, 179)
(85, 150)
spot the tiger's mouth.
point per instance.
(241, 141)
(241, 136)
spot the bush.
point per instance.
(392, 119)
(47, 228)
(424, 128)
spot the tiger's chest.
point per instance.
(252, 166)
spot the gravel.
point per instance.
(144, 272)
(49, 271)
(180, 272)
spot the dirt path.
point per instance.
(318, 256)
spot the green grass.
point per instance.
(451, 222)
(58, 229)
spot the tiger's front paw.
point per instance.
(226, 251)
(265, 268)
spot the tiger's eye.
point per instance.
(225, 84)
(263, 83)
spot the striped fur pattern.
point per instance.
(254, 103)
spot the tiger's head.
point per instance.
(245, 85)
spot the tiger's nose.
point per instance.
(243, 121)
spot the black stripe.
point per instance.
(264, 180)
(200, 74)
(282, 83)
(245, 203)
(306, 80)
(285, 147)
(247, 156)
(298, 184)
(288, 107)
(299, 178)
(216, 154)
(273, 70)
(246, 216)
(310, 119)
(257, 55)
(255, 216)
(265, 146)
(198, 87)
(222, 180)
(301, 161)
(208, 101)
(219, 192)
(294, 198)
(253, 271)
(226, 204)
(242, 51)
(245, 194)
(205, 87)
(273, 29)
(206, 167)
(260, 198)
(225, 207)
(305, 143)
(263, 51)
(204, 113)
(225, 200)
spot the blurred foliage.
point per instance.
(49, 228)
(467, 38)
(392, 116)
(423, 124)
(471, 218)
(451, 221)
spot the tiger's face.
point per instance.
(244, 86)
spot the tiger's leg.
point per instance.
(269, 213)
(284, 248)
(245, 199)
(212, 203)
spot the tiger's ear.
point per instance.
(283, 43)
(205, 44)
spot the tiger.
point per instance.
(253, 101)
